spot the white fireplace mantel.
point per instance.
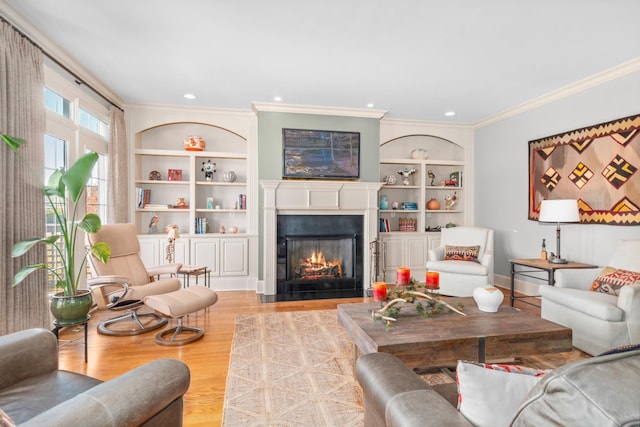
(316, 198)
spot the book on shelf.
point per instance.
(202, 225)
(151, 206)
(143, 196)
(384, 225)
(242, 201)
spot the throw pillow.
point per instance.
(461, 253)
(612, 279)
(5, 420)
(490, 394)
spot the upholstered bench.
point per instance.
(178, 304)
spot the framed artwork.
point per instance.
(175, 174)
(597, 165)
(320, 154)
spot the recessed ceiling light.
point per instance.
(450, 113)
(277, 98)
(370, 105)
(189, 96)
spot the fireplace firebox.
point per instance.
(319, 256)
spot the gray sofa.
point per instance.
(600, 391)
(34, 392)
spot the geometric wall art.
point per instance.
(597, 165)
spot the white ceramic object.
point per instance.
(419, 154)
(488, 298)
(233, 230)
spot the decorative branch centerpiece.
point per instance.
(427, 303)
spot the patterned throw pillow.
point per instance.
(611, 279)
(461, 253)
(489, 395)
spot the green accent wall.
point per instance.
(270, 125)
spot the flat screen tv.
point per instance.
(320, 154)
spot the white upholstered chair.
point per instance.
(460, 278)
(599, 321)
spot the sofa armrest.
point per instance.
(128, 400)
(436, 254)
(26, 354)
(629, 302)
(580, 278)
(395, 396)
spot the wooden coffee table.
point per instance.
(443, 340)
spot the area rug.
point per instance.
(291, 369)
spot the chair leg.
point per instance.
(133, 315)
(189, 335)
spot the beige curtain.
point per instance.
(118, 191)
(22, 207)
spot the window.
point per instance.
(76, 123)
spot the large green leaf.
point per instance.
(21, 248)
(13, 143)
(55, 185)
(102, 251)
(90, 223)
(22, 274)
(78, 175)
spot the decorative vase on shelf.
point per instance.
(433, 205)
(384, 202)
(488, 298)
(229, 176)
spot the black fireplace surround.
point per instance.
(337, 238)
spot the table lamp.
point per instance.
(172, 235)
(558, 211)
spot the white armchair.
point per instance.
(460, 278)
(599, 321)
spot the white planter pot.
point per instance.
(488, 298)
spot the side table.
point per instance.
(527, 266)
(191, 270)
(85, 323)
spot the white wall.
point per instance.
(501, 175)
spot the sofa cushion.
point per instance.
(461, 253)
(600, 391)
(490, 394)
(611, 279)
(595, 304)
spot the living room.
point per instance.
(495, 196)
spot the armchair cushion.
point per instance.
(461, 253)
(595, 304)
(611, 279)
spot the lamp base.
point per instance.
(558, 261)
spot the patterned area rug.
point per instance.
(291, 369)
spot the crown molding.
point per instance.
(612, 73)
(312, 109)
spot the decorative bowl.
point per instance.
(229, 176)
(194, 143)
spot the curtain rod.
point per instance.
(77, 78)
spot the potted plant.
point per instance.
(71, 305)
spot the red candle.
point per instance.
(403, 275)
(379, 291)
(433, 280)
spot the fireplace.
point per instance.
(319, 256)
(335, 200)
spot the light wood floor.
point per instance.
(208, 358)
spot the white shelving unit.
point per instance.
(409, 248)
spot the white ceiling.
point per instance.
(415, 59)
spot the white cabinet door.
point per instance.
(150, 251)
(409, 250)
(416, 256)
(206, 252)
(234, 257)
(181, 252)
(394, 257)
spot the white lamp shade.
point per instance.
(565, 210)
(173, 233)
